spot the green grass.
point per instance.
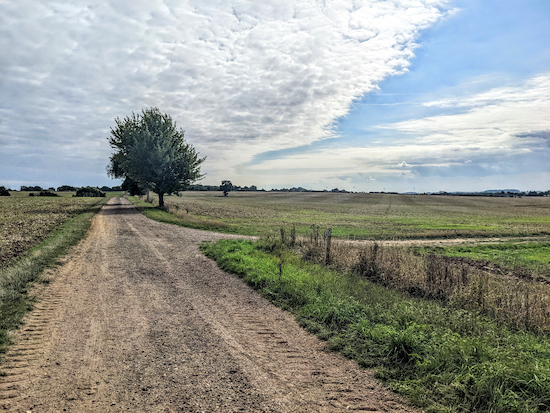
(22, 271)
(442, 359)
(533, 256)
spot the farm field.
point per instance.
(443, 332)
(513, 232)
(445, 344)
(531, 256)
(365, 216)
(26, 221)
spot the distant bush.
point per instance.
(31, 188)
(90, 192)
(4, 191)
(47, 193)
(64, 188)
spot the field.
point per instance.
(366, 216)
(450, 336)
(26, 221)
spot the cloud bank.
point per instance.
(503, 133)
(241, 77)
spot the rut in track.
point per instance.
(139, 320)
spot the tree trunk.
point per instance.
(161, 199)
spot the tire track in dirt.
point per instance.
(138, 319)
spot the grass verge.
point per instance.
(18, 277)
(442, 359)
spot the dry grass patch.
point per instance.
(516, 301)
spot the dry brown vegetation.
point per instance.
(517, 301)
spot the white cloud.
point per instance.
(504, 131)
(493, 120)
(241, 77)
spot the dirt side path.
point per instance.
(447, 242)
(139, 320)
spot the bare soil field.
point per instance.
(137, 319)
(26, 221)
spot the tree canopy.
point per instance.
(226, 186)
(151, 152)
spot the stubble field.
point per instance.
(369, 216)
(26, 221)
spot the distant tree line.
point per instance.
(219, 188)
(495, 194)
(66, 188)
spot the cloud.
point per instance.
(505, 136)
(493, 120)
(241, 78)
(543, 135)
(530, 92)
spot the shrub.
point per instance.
(47, 193)
(90, 192)
(64, 188)
(4, 191)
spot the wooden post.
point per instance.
(328, 236)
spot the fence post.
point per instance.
(328, 236)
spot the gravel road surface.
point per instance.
(137, 319)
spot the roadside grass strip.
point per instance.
(443, 359)
(17, 278)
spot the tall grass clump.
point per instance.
(517, 301)
(444, 359)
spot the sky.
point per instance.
(373, 95)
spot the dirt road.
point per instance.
(138, 320)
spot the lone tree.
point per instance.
(152, 153)
(226, 186)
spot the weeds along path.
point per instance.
(139, 320)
